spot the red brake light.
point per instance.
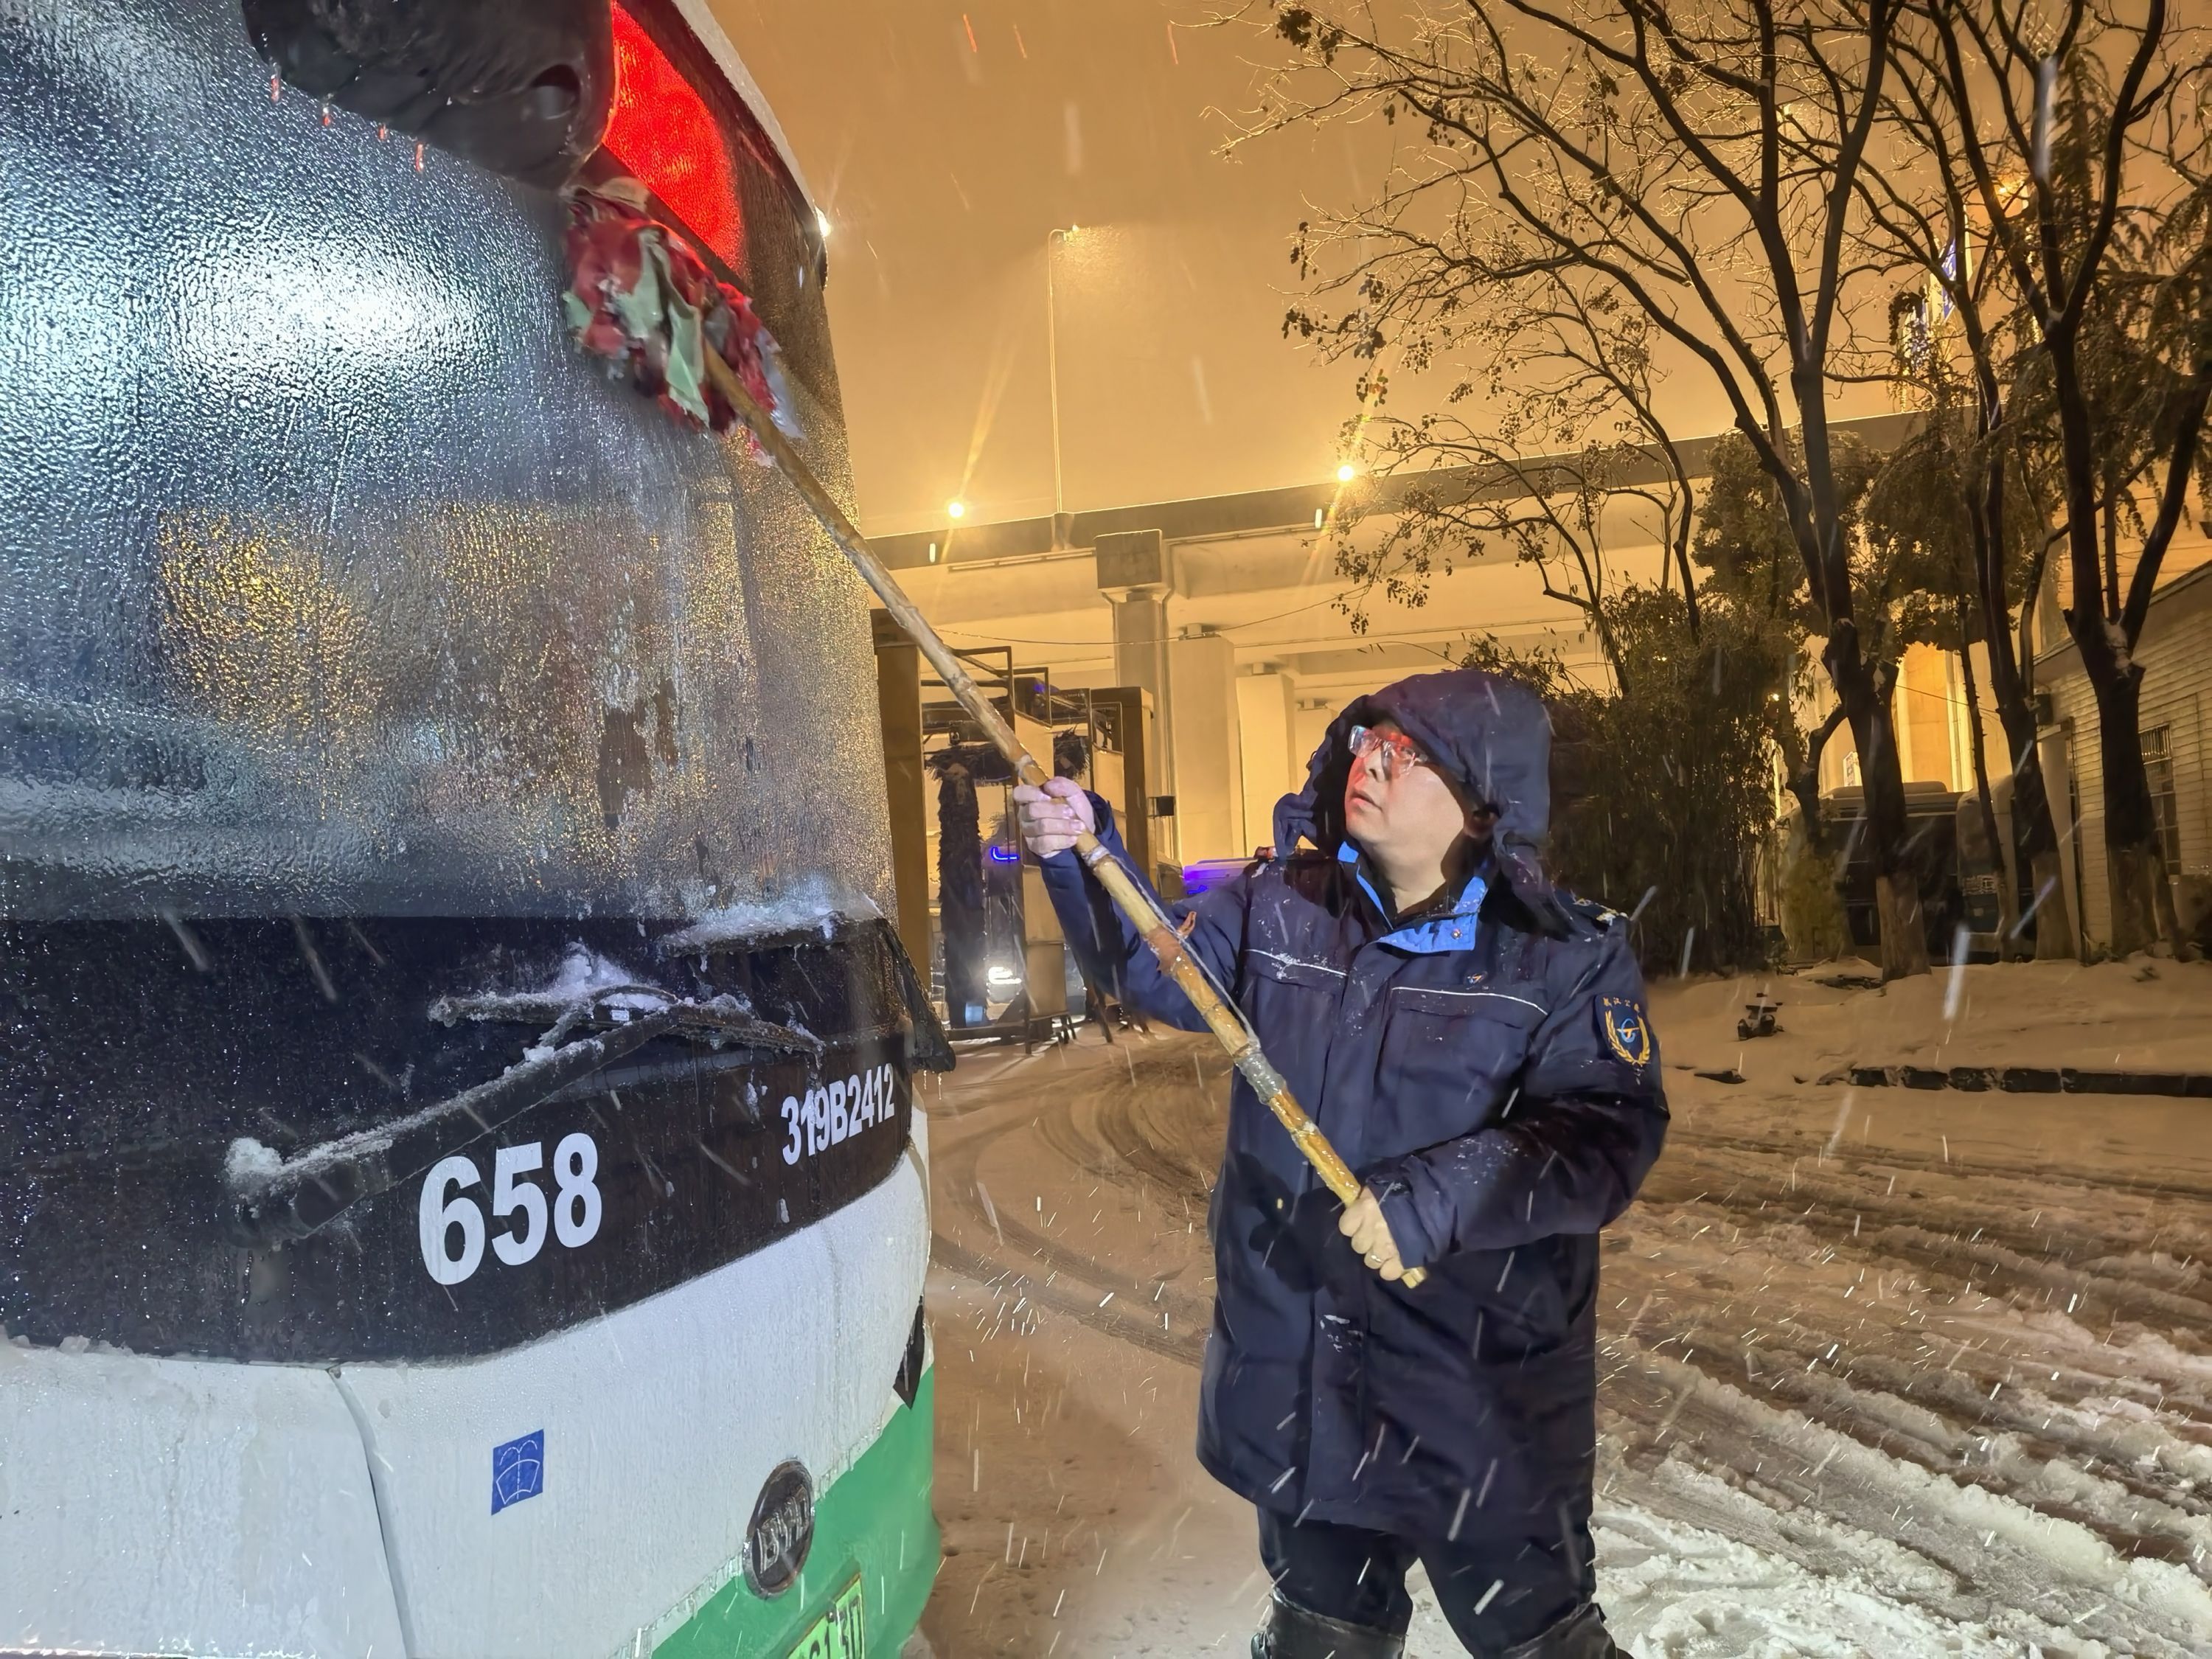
(664, 132)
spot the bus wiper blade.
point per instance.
(274, 1199)
(718, 1021)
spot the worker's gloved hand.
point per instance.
(1055, 815)
(1363, 1223)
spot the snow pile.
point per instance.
(585, 982)
(249, 1165)
(586, 979)
(2141, 1014)
(584, 973)
(1672, 1590)
(816, 904)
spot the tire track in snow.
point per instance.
(1091, 1134)
(1185, 1347)
(1982, 1362)
(2036, 1577)
(1843, 1361)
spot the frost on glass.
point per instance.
(335, 581)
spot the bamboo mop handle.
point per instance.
(1135, 901)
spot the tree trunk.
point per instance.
(1866, 697)
(2034, 828)
(1804, 782)
(2143, 899)
(2134, 864)
(2008, 945)
(2035, 837)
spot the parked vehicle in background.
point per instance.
(1984, 869)
(1931, 812)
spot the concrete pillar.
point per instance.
(1209, 766)
(906, 789)
(1267, 716)
(1141, 637)
(1136, 575)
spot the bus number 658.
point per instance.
(447, 1208)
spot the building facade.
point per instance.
(1935, 745)
(2176, 655)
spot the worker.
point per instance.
(1474, 1041)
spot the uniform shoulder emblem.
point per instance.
(1626, 1029)
(1603, 917)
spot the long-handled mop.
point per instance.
(1134, 898)
(708, 332)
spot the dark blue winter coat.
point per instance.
(1489, 1071)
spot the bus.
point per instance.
(461, 1191)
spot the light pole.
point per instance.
(1051, 368)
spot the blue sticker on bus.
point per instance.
(518, 1470)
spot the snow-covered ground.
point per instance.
(1887, 1371)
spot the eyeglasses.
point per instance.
(1390, 754)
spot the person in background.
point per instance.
(1474, 1041)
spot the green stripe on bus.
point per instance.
(875, 1522)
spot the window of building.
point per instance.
(2158, 768)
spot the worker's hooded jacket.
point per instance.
(1488, 1070)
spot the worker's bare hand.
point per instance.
(1055, 815)
(1363, 1223)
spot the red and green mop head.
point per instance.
(640, 297)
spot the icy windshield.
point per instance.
(337, 583)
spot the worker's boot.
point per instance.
(1581, 1635)
(1295, 1632)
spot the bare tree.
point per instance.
(1648, 158)
(1566, 445)
(2086, 178)
(1548, 448)
(1929, 512)
(1745, 545)
(1951, 325)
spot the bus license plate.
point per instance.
(838, 1633)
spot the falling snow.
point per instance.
(1885, 1371)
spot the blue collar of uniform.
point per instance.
(1453, 930)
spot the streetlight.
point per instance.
(1052, 366)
